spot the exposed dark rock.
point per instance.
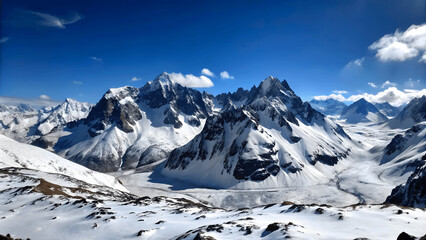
(413, 192)
(405, 236)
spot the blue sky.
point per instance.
(80, 49)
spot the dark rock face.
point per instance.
(413, 192)
(405, 236)
(396, 144)
(325, 159)
(163, 91)
(110, 111)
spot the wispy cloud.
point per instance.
(134, 79)
(97, 59)
(207, 72)
(388, 84)
(190, 80)
(225, 75)
(357, 63)
(412, 83)
(392, 95)
(401, 46)
(338, 97)
(340, 91)
(372, 85)
(42, 101)
(77, 82)
(4, 39)
(48, 20)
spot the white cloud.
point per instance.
(207, 72)
(340, 91)
(423, 58)
(401, 46)
(388, 84)
(134, 79)
(190, 80)
(96, 59)
(225, 75)
(337, 97)
(44, 97)
(391, 95)
(3, 40)
(34, 102)
(372, 85)
(77, 82)
(48, 20)
(357, 63)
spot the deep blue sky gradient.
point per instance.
(306, 42)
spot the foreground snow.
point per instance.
(47, 211)
(15, 154)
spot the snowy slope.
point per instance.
(362, 111)
(405, 152)
(130, 126)
(49, 211)
(413, 113)
(272, 140)
(20, 155)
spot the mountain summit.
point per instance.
(363, 111)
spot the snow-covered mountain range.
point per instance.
(26, 124)
(251, 147)
(130, 126)
(328, 107)
(270, 138)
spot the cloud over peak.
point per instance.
(190, 80)
(401, 46)
(392, 95)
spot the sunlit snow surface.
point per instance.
(28, 210)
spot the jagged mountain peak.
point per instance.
(272, 87)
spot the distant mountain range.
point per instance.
(332, 107)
